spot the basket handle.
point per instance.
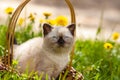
(73, 20)
(11, 29)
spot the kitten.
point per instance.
(48, 55)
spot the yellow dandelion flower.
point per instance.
(9, 10)
(46, 14)
(108, 46)
(51, 22)
(31, 17)
(61, 20)
(115, 36)
(42, 21)
(20, 21)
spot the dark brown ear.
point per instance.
(46, 29)
(71, 27)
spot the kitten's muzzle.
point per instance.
(61, 42)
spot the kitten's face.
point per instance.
(59, 37)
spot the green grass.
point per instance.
(26, 33)
(95, 62)
(3, 30)
(91, 58)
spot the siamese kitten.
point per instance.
(48, 55)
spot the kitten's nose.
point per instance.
(61, 41)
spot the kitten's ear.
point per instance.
(46, 29)
(71, 27)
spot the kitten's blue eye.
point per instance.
(54, 37)
(66, 36)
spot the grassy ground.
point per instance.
(91, 57)
(96, 62)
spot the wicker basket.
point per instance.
(72, 73)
